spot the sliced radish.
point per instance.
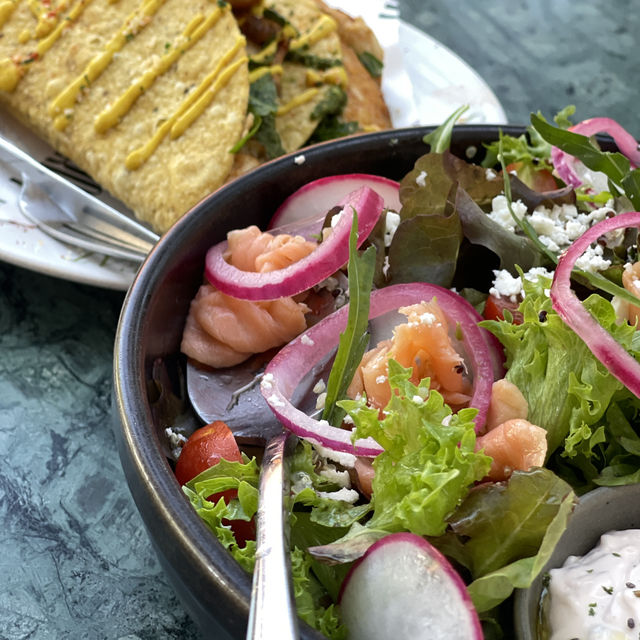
(403, 587)
(318, 197)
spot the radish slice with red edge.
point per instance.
(566, 165)
(322, 262)
(403, 587)
(295, 362)
(318, 197)
(613, 356)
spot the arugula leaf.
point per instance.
(614, 165)
(330, 128)
(440, 138)
(353, 341)
(372, 64)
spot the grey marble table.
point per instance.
(75, 559)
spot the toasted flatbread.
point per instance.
(185, 44)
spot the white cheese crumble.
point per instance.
(275, 401)
(381, 379)
(507, 286)
(391, 224)
(500, 212)
(299, 160)
(339, 477)
(343, 495)
(320, 400)
(266, 384)
(418, 399)
(421, 179)
(319, 386)
(490, 174)
(336, 218)
(592, 261)
(176, 442)
(347, 460)
(306, 340)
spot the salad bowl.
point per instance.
(149, 387)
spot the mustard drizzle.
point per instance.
(256, 74)
(12, 70)
(6, 9)
(322, 27)
(191, 107)
(193, 32)
(61, 107)
(298, 100)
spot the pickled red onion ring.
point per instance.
(565, 164)
(295, 362)
(613, 356)
(331, 255)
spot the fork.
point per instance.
(64, 211)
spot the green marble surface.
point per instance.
(76, 561)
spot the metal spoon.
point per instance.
(233, 395)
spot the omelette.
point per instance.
(163, 101)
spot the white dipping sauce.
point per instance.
(597, 596)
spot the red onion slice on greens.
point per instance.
(317, 197)
(613, 356)
(324, 261)
(569, 168)
(295, 361)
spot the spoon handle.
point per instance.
(273, 614)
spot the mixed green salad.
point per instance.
(492, 228)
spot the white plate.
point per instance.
(423, 83)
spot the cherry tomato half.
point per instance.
(204, 448)
(495, 306)
(536, 179)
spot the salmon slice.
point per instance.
(422, 343)
(223, 331)
(515, 445)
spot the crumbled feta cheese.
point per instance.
(306, 340)
(381, 379)
(299, 160)
(418, 399)
(446, 421)
(347, 460)
(421, 179)
(320, 400)
(340, 477)
(506, 286)
(343, 495)
(176, 441)
(348, 419)
(275, 401)
(385, 266)
(490, 174)
(266, 384)
(319, 386)
(500, 212)
(592, 261)
(427, 318)
(391, 224)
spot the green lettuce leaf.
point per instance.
(510, 530)
(564, 384)
(429, 462)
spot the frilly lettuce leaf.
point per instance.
(429, 461)
(242, 476)
(565, 385)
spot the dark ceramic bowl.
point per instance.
(214, 589)
(597, 512)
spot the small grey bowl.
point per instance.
(597, 512)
